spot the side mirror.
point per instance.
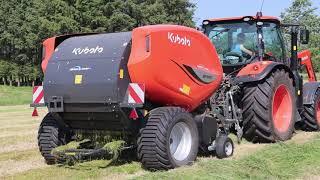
(304, 36)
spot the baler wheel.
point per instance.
(169, 139)
(269, 110)
(50, 136)
(311, 114)
(224, 146)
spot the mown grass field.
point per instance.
(15, 95)
(298, 158)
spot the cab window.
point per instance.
(272, 42)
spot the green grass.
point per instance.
(15, 95)
(276, 161)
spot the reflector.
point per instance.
(133, 114)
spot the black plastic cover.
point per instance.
(85, 69)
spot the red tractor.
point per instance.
(169, 91)
(273, 97)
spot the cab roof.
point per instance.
(266, 18)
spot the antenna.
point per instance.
(261, 5)
(259, 13)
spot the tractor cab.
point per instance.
(242, 40)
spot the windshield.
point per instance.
(236, 42)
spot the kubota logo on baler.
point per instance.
(175, 38)
(86, 50)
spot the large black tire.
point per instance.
(259, 122)
(311, 114)
(154, 141)
(51, 135)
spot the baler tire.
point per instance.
(311, 114)
(155, 139)
(50, 136)
(260, 123)
(224, 146)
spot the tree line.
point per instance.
(24, 24)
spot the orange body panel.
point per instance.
(305, 57)
(159, 57)
(48, 46)
(254, 68)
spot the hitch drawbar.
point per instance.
(75, 152)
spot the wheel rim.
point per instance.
(180, 141)
(318, 111)
(282, 109)
(228, 148)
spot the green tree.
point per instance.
(4, 70)
(303, 12)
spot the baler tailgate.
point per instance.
(80, 81)
(86, 69)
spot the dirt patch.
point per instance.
(11, 167)
(301, 137)
(115, 177)
(20, 146)
(246, 149)
(19, 127)
(139, 173)
(23, 133)
(309, 178)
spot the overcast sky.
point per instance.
(227, 8)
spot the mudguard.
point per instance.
(309, 91)
(258, 71)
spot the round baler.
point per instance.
(147, 85)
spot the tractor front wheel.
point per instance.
(269, 110)
(169, 139)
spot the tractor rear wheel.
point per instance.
(269, 110)
(169, 139)
(311, 114)
(51, 135)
